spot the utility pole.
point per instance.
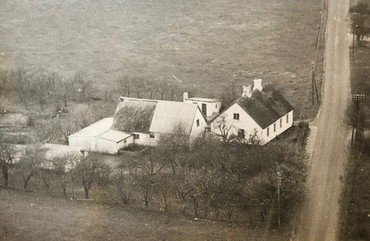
(278, 197)
(356, 98)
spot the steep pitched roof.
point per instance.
(266, 106)
(134, 115)
(169, 114)
(144, 115)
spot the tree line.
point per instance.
(359, 15)
(210, 179)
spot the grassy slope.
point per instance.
(28, 217)
(204, 43)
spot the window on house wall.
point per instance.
(274, 127)
(136, 136)
(241, 133)
(125, 141)
(281, 122)
(268, 131)
(198, 122)
(236, 116)
(216, 105)
(287, 118)
(151, 135)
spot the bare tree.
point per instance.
(223, 128)
(82, 87)
(22, 86)
(7, 155)
(358, 15)
(125, 85)
(30, 163)
(41, 87)
(173, 145)
(87, 171)
(61, 167)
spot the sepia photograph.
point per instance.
(184, 120)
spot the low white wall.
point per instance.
(144, 139)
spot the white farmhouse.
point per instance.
(260, 114)
(142, 122)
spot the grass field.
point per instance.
(27, 217)
(206, 44)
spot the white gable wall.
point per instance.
(112, 147)
(197, 131)
(83, 142)
(245, 122)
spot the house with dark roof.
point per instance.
(141, 122)
(260, 115)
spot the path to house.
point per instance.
(319, 221)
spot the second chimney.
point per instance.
(247, 91)
(257, 84)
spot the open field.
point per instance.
(25, 216)
(206, 44)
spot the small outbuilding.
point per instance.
(99, 137)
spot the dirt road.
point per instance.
(319, 220)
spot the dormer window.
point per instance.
(236, 116)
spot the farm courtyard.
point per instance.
(206, 44)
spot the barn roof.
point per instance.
(266, 106)
(169, 115)
(134, 115)
(145, 115)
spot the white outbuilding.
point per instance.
(99, 137)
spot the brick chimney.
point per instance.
(247, 91)
(257, 84)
